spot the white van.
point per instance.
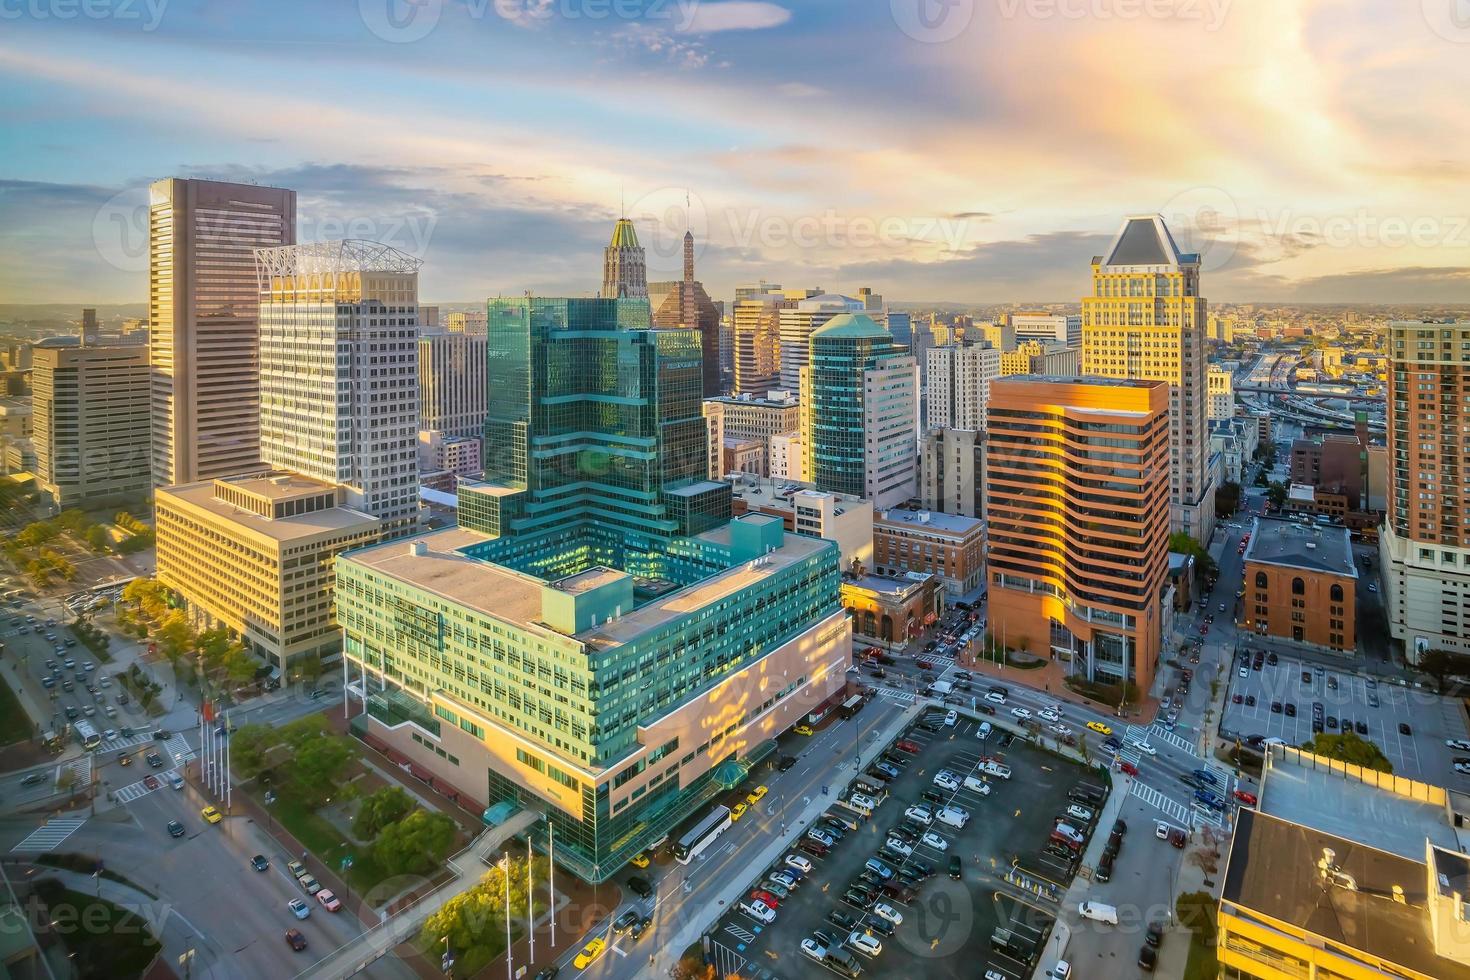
(992, 768)
(953, 816)
(977, 785)
(1069, 832)
(174, 779)
(1098, 912)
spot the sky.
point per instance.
(977, 151)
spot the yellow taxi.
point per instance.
(803, 729)
(738, 810)
(1099, 727)
(589, 953)
(756, 795)
(640, 860)
(210, 815)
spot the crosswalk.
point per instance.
(81, 770)
(140, 789)
(1169, 806)
(123, 742)
(177, 748)
(50, 835)
(1178, 741)
(894, 694)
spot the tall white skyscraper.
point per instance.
(339, 397)
(957, 385)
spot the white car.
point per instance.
(995, 697)
(759, 911)
(977, 785)
(814, 949)
(983, 732)
(953, 816)
(1458, 743)
(1022, 713)
(787, 881)
(865, 944)
(1463, 768)
(1143, 747)
(1244, 671)
(899, 846)
(888, 912)
(1060, 730)
(945, 780)
(933, 840)
(951, 717)
(1046, 714)
(920, 814)
(799, 863)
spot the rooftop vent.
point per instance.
(418, 548)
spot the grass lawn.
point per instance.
(15, 724)
(1202, 963)
(104, 940)
(324, 841)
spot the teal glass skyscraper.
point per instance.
(596, 640)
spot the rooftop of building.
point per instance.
(856, 326)
(1338, 888)
(772, 399)
(898, 587)
(332, 519)
(1294, 544)
(757, 491)
(1090, 380)
(930, 520)
(437, 562)
(1144, 240)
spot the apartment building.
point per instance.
(952, 472)
(1060, 329)
(957, 385)
(1425, 546)
(451, 383)
(1300, 584)
(749, 418)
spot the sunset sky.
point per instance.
(963, 150)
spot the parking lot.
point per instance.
(947, 924)
(1380, 706)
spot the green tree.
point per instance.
(318, 766)
(1441, 664)
(238, 665)
(250, 749)
(308, 667)
(1227, 499)
(1276, 493)
(1181, 542)
(417, 843)
(97, 540)
(73, 520)
(386, 806)
(36, 534)
(1348, 747)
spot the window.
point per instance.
(1336, 593)
(1260, 580)
(1298, 587)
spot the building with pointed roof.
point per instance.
(624, 264)
(683, 304)
(1146, 320)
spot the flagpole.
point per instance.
(228, 787)
(509, 975)
(551, 875)
(530, 900)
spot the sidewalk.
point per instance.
(1051, 679)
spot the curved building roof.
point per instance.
(624, 234)
(851, 325)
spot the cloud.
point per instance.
(731, 15)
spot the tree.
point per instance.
(73, 520)
(97, 540)
(1442, 664)
(309, 666)
(1181, 542)
(1348, 747)
(1276, 493)
(36, 534)
(417, 843)
(318, 766)
(1227, 499)
(250, 747)
(388, 805)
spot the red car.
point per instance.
(1128, 768)
(924, 664)
(1236, 699)
(1249, 799)
(904, 745)
(767, 897)
(150, 781)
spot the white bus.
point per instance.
(87, 735)
(692, 844)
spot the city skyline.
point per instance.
(1285, 145)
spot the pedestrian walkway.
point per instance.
(50, 835)
(140, 789)
(124, 742)
(1178, 741)
(894, 694)
(81, 770)
(1170, 807)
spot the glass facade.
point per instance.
(832, 397)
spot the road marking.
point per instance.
(81, 770)
(1180, 813)
(1184, 745)
(136, 791)
(51, 834)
